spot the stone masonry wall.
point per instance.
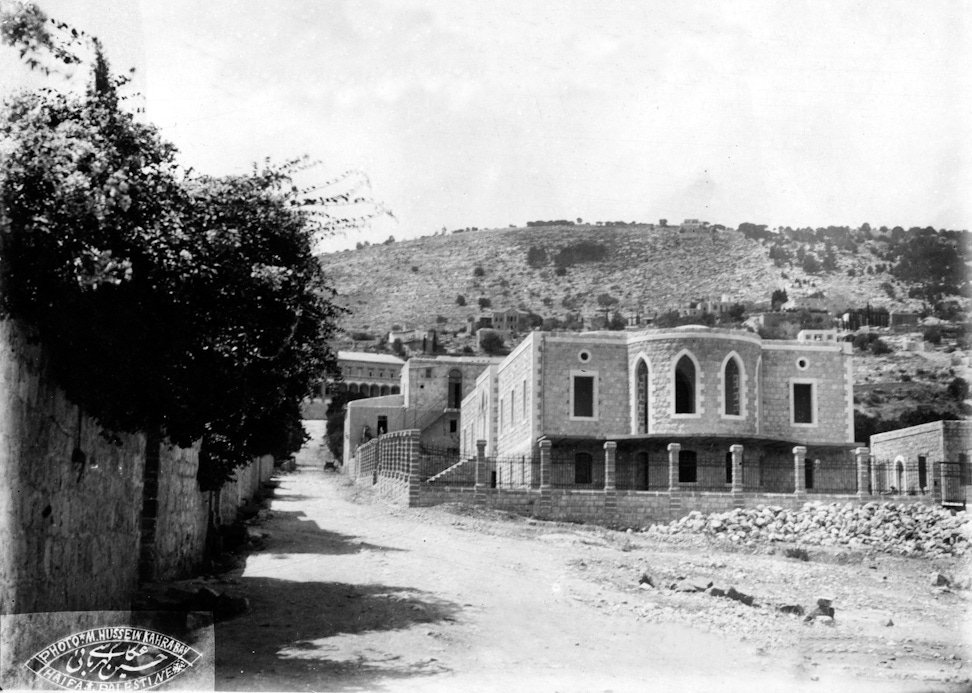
(607, 362)
(827, 367)
(709, 350)
(516, 401)
(73, 535)
(68, 532)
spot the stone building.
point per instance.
(701, 389)
(428, 398)
(922, 460)
(373, 375)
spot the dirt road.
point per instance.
(352, 595)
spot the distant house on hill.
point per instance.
(413, 340)
(816, 303)
(695, 229)
(718, 306)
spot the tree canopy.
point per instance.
(191, 307)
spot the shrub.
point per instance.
(958, 389)
(460, 300)
(484, 302)
(560, 271)
(799, 554)
(879, 346)
(479, 271)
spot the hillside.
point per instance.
(415, 283)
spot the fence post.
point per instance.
(545, 446)
(479, 491)
(799, 470)
(737, 474)
(674, 502)
(610, 481)
(414, 461)
(862, 455)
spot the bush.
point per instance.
(879, 346)
(492, 343)
(484, 302)
(797, 553)
(479, 271)
(560, 271)
(460, 300)
(958, 389)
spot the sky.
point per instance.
(486, 114)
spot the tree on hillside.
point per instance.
(778, 298)
(492, 343)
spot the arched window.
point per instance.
(395, 390)
(583, 468)
(687, 467)
(455, 388)
(685, 386)
(732, 383)
(384, 390)
(353, 388)
(641, 378)
(374, 390)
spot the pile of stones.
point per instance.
(897, 528)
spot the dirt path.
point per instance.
(357, 596)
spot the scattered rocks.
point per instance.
(824, 608)
(939, 580)
(794, 609)
(898, 528)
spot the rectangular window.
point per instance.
(524, 399)
(583, 396)
(803, 403)
(453, 425)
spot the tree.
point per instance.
(491, 343)
(536, 257)
(479, 271)
(958, 389)
(460, 300)
(484, 303)
(186, 307)
(778, 298)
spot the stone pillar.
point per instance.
(799, 470)
(610, 482)
(862, 455)
(479, 493)
(674, 502)
(610, 457)
(737, 472)
(544, 506)
(673, 450)
(412, 454)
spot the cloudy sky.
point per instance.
(470, 113)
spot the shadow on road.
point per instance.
(292, 533)
(293, 637)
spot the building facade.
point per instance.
(921, 460)
(701, 388)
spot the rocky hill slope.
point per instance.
(416, 283)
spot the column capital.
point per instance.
(735, 448)
(610, 445)
(674, 447)
(545, 443)
(800, 450)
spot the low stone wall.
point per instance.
(182, 519)
(244, 487)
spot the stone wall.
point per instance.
(75, 536)
(935, 442)
(516, 399)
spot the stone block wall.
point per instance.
(68, 531)
(74, 536)
(829, 369)
(938, 441)
(562, 356)
(516, 400)
(244, 487)
(182, 514)
(709, 351)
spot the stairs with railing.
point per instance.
(445, 471)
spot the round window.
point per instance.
(584, 356)
(803, 364)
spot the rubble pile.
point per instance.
(897, 528)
